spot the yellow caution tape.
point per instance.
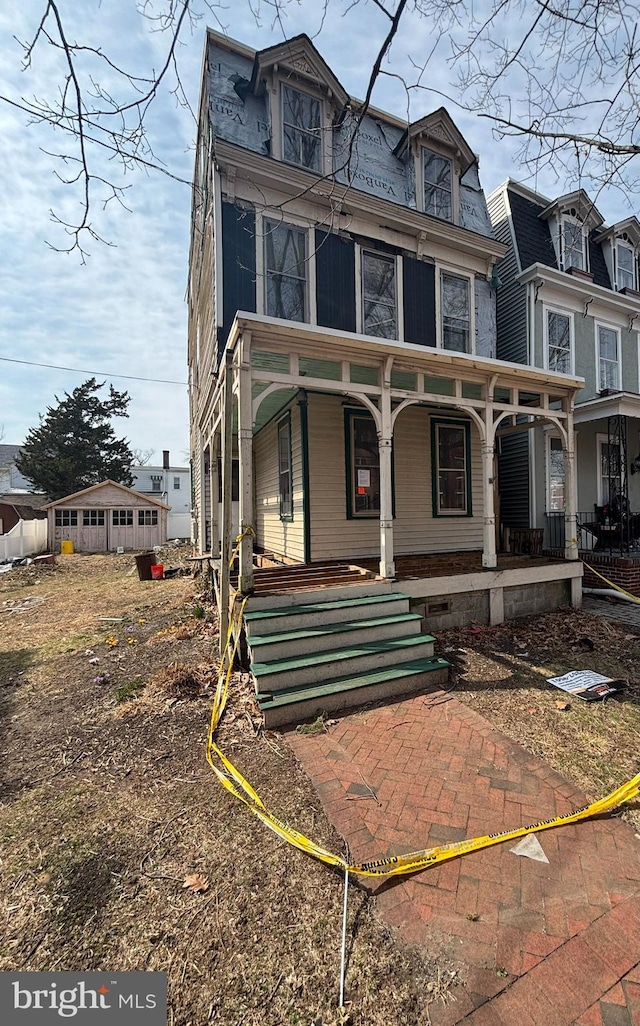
(248, 531)
(607, 581)
(396, 865)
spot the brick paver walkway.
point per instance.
(543, 944)
(627, 613)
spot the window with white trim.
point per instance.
(301, 128)
(176, 484)
(66, 518)
(573, 244)
(437, 177)
(147, 517)
(625, 267)
(555, 474)
(559, 342)
(608, 357)
(379, 295)
(93, 518)
(455, 313)
(285, 263)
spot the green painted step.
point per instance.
(299, 702)
(367, 648)
(336, 606)
(281, 637)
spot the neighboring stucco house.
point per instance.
(171, 485)
(569, 300)
(342, 346)
(106, 517)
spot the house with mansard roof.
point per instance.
(343, 363)
(569, 301)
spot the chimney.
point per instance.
(165, 459)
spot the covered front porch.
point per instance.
(284, 401)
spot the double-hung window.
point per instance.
(572, 245)
(610, 477)
(450, 448)
(285, 261)
(608, 366)
(285, 469)
(363, 465)
(456, 313)
(301, 128)
(555, 454)
(625, 267)
(558, 342)
(438, 185)
(379, 296)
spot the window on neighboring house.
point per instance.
(123, 518)
(156, 483)
(285, 249)
(363, 465)
(625, 267)
(558, 342)
(93, 518)
(456, 321)
(66, 518)
(379, 305)
(555, 498)
(450, 447)
(572, 245)
(437, 178)
(608, 372)
(285, 475)
(609, 482)
(176, 483)
(147, 517)
(301, 128)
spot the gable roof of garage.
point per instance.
(101, 484)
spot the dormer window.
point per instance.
(625, 267)
(301, 128)
(573, 248)
(438, 185)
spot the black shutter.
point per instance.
(238, 266)
(419, 284)
(335, 282)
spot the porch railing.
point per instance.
(596, 532)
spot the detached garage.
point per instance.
(106, 517)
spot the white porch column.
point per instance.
(487, 442)
(245, 448)
(570, 491)
(489, 556)
(385, 439)
(225, 535)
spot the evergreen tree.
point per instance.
(75, 445)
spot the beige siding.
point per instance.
(274, 534)
(107, 496)
(333, 536)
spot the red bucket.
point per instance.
(157, 571)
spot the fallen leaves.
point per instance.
(562, 705)
(196, 883)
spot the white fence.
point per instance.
(27, 538)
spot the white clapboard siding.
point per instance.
(275, 535)
(415, 529)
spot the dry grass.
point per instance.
(502, 674)
(108, 804)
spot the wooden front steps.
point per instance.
(345, 647)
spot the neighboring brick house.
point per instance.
(569, 301)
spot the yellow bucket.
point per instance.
(66, 548)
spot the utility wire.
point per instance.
(94, 374)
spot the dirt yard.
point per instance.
(120, 850)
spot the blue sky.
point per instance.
(124, 311)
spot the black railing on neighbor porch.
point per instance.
(597, 532)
